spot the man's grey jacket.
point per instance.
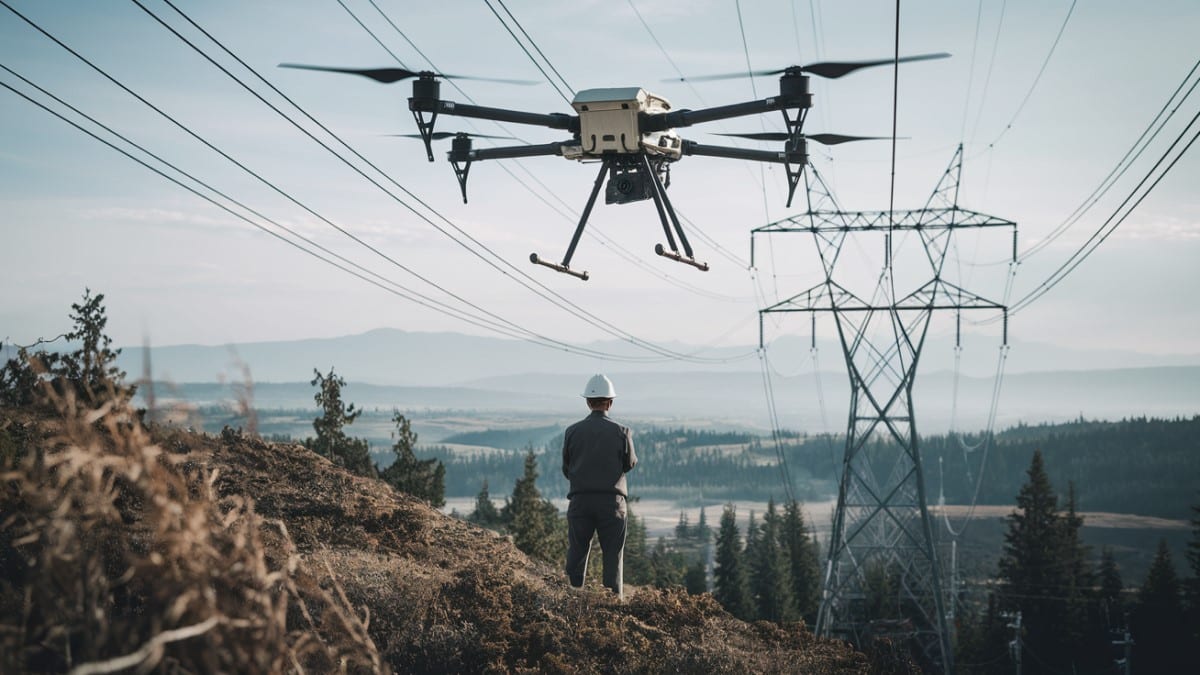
(597, 453)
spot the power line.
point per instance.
(1038, 77)
(525, 280)
(1121, 166)
(572, 215)
(246, 169)
(1109, 226)
(404, 292)
(213, 201)
(987, 80)
(524, 49)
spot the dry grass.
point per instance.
(118, 554)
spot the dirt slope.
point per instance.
(434, 594)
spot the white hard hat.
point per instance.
(599, 386)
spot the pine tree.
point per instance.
(92, 368)
(983, 643)
(683, 529)
(89, 372)
(1192, 585)
(1033, 574)
(637, 561)
(421, 478)
(667, 566)
(730, 579)
(485, 513)
(770, 574)
(802, 554)
(695, 580)
(703, 532)
(534, 522)
(1159, 621)
(332, 441)
(1112, 604)
(1083, 628)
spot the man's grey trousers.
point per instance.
(603, 515)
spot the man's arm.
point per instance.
(629, 458)
(566, 456)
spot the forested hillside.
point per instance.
(1142, 466)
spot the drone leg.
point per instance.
(794, 126)
(659, 198)
(564, 266)
(426, 131)
(460, 161)
(793, 179)
(663, 203)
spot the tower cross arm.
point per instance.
(883, 221)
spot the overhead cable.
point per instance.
(525, 279)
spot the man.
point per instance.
(597, 453)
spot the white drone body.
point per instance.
(609, 124)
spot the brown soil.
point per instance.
(436, 594)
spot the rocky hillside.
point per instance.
(123, 547)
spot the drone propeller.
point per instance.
(443, 135)
(827, 69)
(824, 139)
(390, 75)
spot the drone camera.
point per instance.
(628, 185)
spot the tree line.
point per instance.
(770, 574)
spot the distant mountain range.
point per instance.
(411, 371)
(389, 356)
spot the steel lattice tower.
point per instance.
(882, 536)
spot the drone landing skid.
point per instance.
(666, 215)
(674, 255)
(533, 258)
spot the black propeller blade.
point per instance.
(827, 69)
(390, 75)
(824, 139)
(443, 135)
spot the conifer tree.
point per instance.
(1033, 573)
(332, 441)
(1083, 627)
(667, 566)
(485, 513)
(421, 478)
(92, 368)
(703, 532)
(534, 522)
(637, 561)
(1192, 585)
(770, 574)
(695, 580)
(1159, 621)
(802, 553)
(730, 579)
(1111, 587)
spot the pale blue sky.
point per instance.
(73, 213)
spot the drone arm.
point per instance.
(686, 118)
(774, 156)
(509, 152)
(793, 160)
(551, 120)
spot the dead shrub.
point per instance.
(117, 556)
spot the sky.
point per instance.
(175, 269)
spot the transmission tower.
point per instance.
(882, 536)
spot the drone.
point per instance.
(632, 133)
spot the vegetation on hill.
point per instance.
(126, 546)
